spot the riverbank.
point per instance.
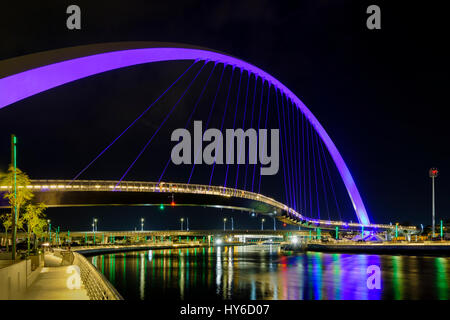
(384, 248)
(89, 251)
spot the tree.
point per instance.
(34, 218)
(6, 222)
(17, 201)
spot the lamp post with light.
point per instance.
(182, 220)
(142, 224)
(224, 223)
(49, 230)
(433, 173)
(262, 223)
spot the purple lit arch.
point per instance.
(26, 76)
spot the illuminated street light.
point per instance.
(232, 224)
(142, 224)
(182, 220)
(262, 223)
(49, 229)
(224, 223)
(433, 173)
(95, 225)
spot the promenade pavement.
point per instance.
(51, 283)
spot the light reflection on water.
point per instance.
(263, 272)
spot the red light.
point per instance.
(172, 203)
(433, 172)
(284, 224)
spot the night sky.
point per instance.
(380, 94)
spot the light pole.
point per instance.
(187, 224)
(274, 225)
(49, 230)
(95, 225)
(142, 224)
(433, 174)
(224, 223)
(14, 208)
(232, 224)
(181, 220)
(262, 223)
(93, 230)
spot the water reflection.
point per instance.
(263, 272)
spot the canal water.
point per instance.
(264, 272)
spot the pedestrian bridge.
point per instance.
(67, 193)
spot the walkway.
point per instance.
(51, 283)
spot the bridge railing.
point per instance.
(97, 286)
(172, 187)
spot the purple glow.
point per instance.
(28, 83)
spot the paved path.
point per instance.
(51, 283)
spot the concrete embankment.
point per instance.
(89, 251)
(390, 248)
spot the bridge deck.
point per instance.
(105, 192)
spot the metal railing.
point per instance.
(95, 283)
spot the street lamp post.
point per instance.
(224, 223)
(95, 225)
(433, 174)
(187, 224)
(181, 220)
(262, 223)
(49, 230)
(232, 224)
(14, 208)
(142, 224)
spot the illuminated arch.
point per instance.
(25, 76)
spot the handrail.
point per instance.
(97, 286)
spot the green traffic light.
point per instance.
(161, 206)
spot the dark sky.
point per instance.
(380, 94)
